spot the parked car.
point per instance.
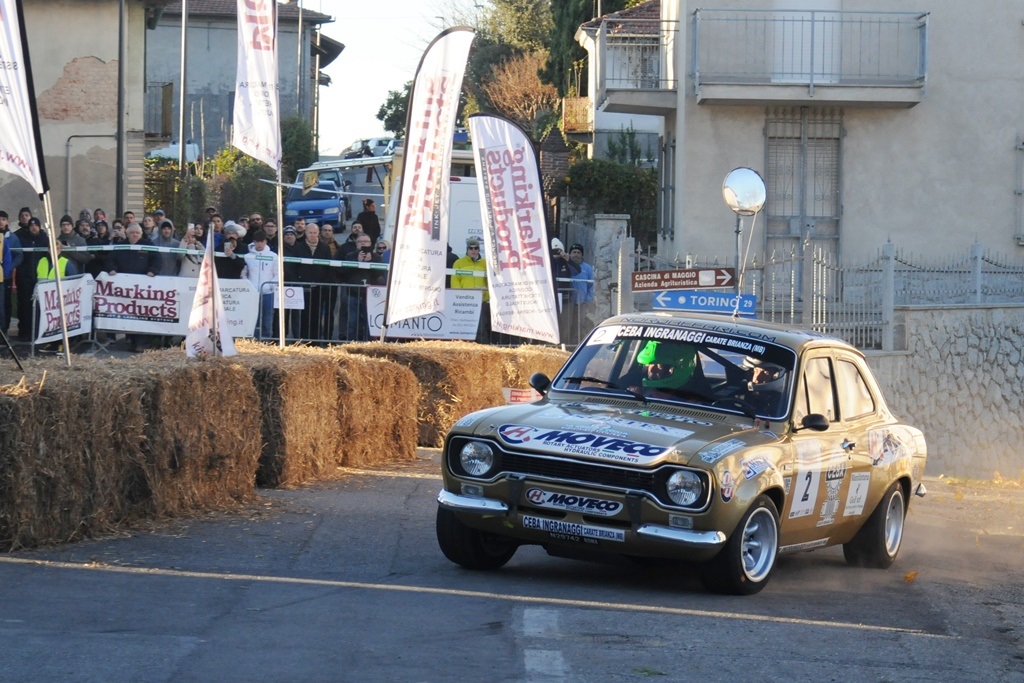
(367, 147)
(323, 203)
(691, 437)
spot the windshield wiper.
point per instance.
(611, 385)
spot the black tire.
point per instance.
(469, 547)
(745, 564)
(878, 541)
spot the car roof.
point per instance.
(786, 335)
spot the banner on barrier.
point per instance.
(459, 319)
(78, 297)
(161, 305)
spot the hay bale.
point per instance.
(528, 359)
(201, 436)
(378, 403)
(456, 378)
(298, 397)
(68, 452)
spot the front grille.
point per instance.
(576, 471)
(564, 469)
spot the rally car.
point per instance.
(691, 437)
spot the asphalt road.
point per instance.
(343, 581)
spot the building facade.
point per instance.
(210, 68)
(869, 121)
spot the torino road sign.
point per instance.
(688, 278)
(708, 302)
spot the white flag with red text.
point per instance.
(418, 260)
(204, 338)
(256, 129)
(20, 144)
(515, 233)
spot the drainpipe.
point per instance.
(67, 168)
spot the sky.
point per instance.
(384, 40)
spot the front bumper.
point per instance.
(491, 508)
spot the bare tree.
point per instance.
(515, 91)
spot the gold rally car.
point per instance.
(691, 437)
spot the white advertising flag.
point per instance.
(204, 338)
(515, 234)
(418, 259)
(256, 130)
(20, 144)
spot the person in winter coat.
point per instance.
(369, 220)
(135, 262)
(69, 238)
(261, 270)
(32, 236)
(10, 258)
(170, 262)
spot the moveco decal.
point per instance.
(580, 443)
(574, 503)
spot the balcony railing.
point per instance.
(813, 49)
(638, 56)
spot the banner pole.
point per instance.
(280, 263)
(55, 264)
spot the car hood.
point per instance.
(638, 435)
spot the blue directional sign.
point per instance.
(706, 302)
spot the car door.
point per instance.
(860, 412)
(819, 464)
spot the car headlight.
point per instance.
(684, 487)
(476, 458)
(291, 212)
(331, 209)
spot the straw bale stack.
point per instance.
(528, 359)
(298, 399)
(67, 447)
(201, 436)
(377, 410)
(456, 378)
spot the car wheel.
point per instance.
(745, 564)
(878, 541)
(469, 547)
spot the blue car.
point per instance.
(322, 203)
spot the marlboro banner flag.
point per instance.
(256, 130)
(518, 263)
(21, 148)
(204, 338)
(421, 236)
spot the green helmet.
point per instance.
(681, 357)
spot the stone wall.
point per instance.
(960, 381)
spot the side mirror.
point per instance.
(540, 382)
(815, 422)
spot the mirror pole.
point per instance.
(739, 239)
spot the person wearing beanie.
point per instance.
(562, 271)
(32, 236)
(582, 295)
(69, 238)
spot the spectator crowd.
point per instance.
(334, 299)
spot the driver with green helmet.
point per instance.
(670, 369)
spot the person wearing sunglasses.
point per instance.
(384, 251)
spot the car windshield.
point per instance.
(718, 370)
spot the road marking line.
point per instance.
(502, 597)
(389, 473)
(544, 665)
(540, 622)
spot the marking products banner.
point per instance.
(518, 264)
